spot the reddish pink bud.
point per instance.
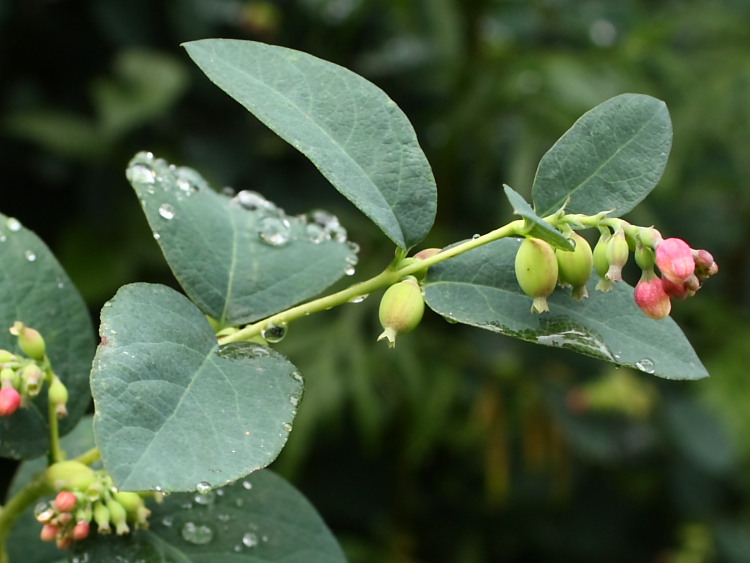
(65, 501)
(676, 291)
(674, 257)
(81, 530)
(651, 298)
(705, 265)
(10, 400)
(48, 532)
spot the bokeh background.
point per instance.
(460, 445)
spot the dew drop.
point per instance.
(350, 271)
(30, 256)
(358, 298)
(167, 521)
(3, 238)
(475, 236)
(298, 376)
(138, 173)
(247, 485)
(316, 233)
(294, 399)
(274, 333)
(197, 534)
(166, 211)
(223, 517)
(205, 499)
(228, 191)
(250, 539)
(60, 285)
(646, 365)
(274, 231)
(203, 487)
(13, 224)
(287, 427)
(185, 186)
(253, 201)
(157, 236)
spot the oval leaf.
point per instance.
(610, 159)
(173, 409)
(262, 519)
(238, 264)
(36, 290)
(479, 288)
(348, 127)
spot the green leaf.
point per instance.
(610, 159)
(260, 519)
(237, 264)
(479, 288)
(174, 409)
(535, 225)
(350, 129)
(36, 290)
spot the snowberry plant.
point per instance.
(191, 398)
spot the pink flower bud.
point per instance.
(705, 265)
(65, 501)
(10, 400)
(651, 298)
(81, 530)
(48, 532)
(674, 257)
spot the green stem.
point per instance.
(15, 506)
(386, 278)
(55, 451)
(89, 457)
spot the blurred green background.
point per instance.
(460, 445)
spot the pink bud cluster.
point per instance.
(72, 514)
(683, 269)
(23, 375)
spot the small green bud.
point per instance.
(31, 379)
(6, 356)
(118, 516)
(536, 271)
(644, 257)
(601, 265)
(58, 396)
(9, 377)
(135, 507)
(71, 475)
(101, 517)
(29, 340)
(574, 268)
(401, 309)
(618, 252)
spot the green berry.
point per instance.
(536, 271)
(71, 475)
(574, 267)
(401, 309)
(58, 396)
(29, 340)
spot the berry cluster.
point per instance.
(87, 496)
(540, 268)
(22, 377)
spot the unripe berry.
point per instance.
(70, 474)
(58, 396)
(574, 268)
(29, 340)
(10, 400)
(617, 254)
(401, 309)
(536, 271)
(650, 296)
(65, 501)
(135, 507)
(31, 379)
(674, 257)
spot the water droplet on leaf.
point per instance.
(253, 201)
(287, 427)
(274, 231)
(203, 487)
(274, 333)
(250, 539)
(167, 521)
(13, 224)
(646, 365)
(247, 485)
(140, 174)
(166, 211)
(30, 256)
(197, 534)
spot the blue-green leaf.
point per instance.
(173, 408)
(610, 159)
(479, 288)
(239, 259)
(350, 129)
